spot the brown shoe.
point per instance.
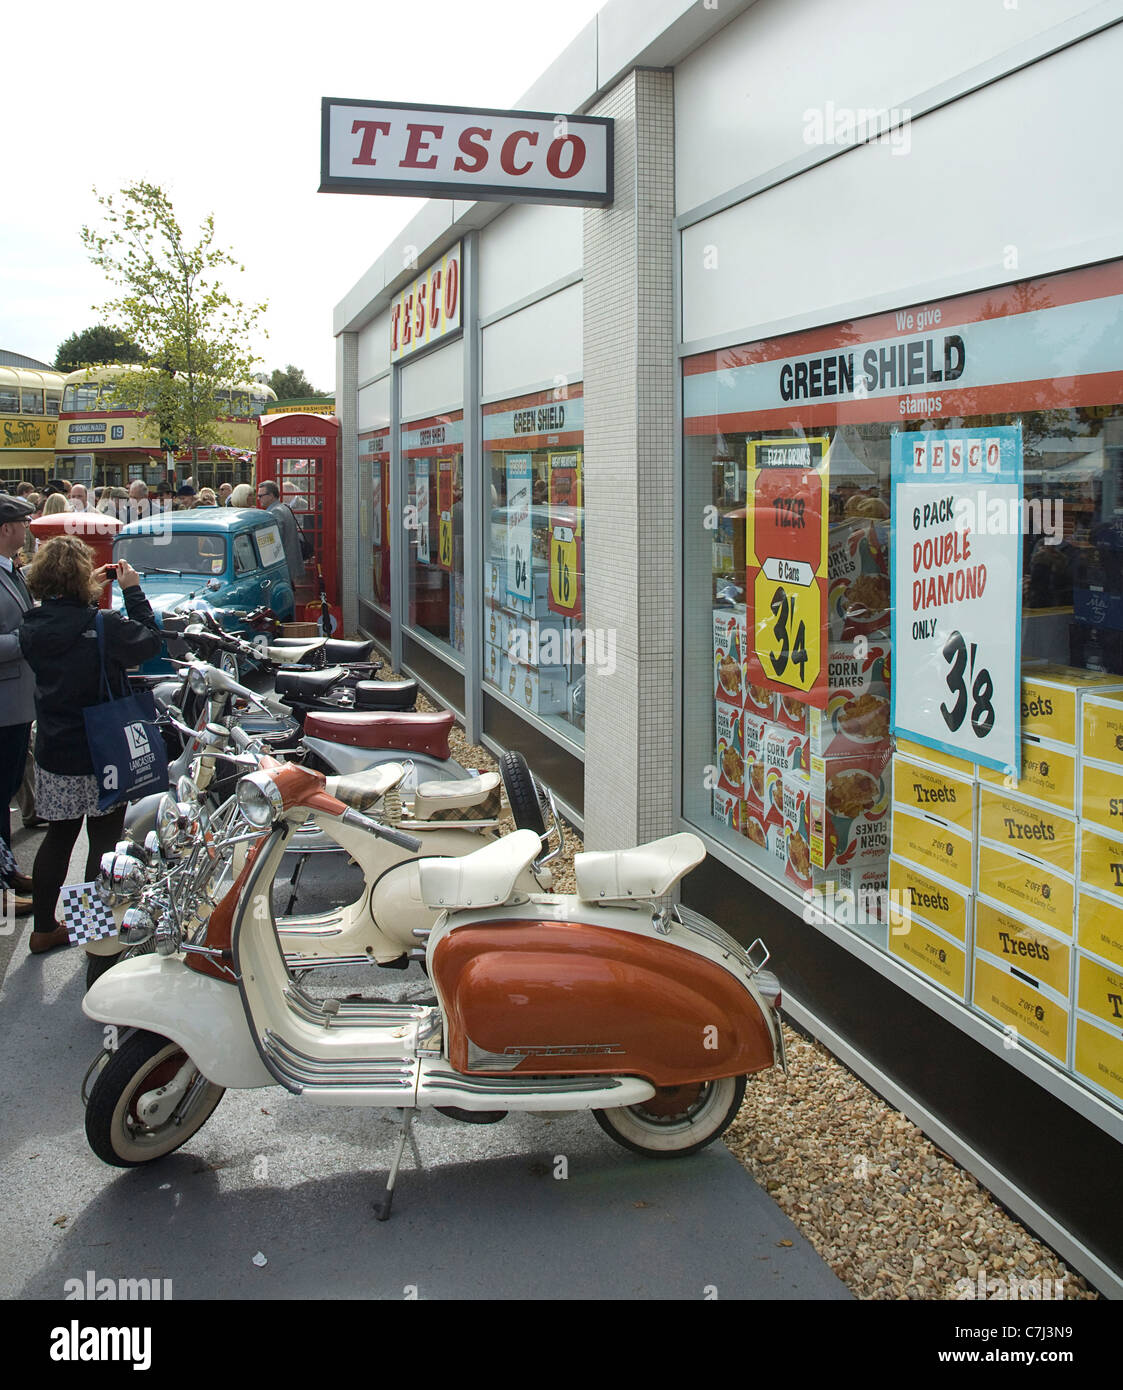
(14, 903)
(42, 941)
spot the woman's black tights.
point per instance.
(51, 863)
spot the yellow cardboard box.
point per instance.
(1101, 795)
(1099, 989)
(1032, 827)
(920, 752)
(1101, 735)
(932, 845)
(1052, 697)
(1098, 1055)
(1015, 940)
(1101, 863)
(934, 791)
(932, 954)
(1025, 884)
(1049, 772)
(920, 896)
(1034, 1016)
(1099, 927)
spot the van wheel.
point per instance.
(526, 801)
(143, 1063)
(677, 1120)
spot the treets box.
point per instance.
(1028, 1014)
(1014, 822)
(1101, 737)
(850, 798)
(1053, 696)
(924, 897)
(1101, 795)
(1049, 772)
(1016, 940)
(1029, 885)
(920, 752)
(1099, 927)
(925, 787)
(932, 954)
(1101, 864)
(932, 844)
(729, 656)
(1099, 989)
(1098, 1056)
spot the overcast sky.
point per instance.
(220, 104)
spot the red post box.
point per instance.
(97, 529)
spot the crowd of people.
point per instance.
(134, 502)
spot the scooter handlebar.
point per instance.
(384, 832)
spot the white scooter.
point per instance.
(602, 1000)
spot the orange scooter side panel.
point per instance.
(565, 997)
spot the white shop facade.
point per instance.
(643, 489)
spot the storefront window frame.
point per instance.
(1065, 1086)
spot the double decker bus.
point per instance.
(101, 445)
(29, 408)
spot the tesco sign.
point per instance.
(464, 152)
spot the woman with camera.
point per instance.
(59, 642)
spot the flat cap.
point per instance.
(14, 508)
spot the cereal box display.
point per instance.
(727, 808)
(856, 719)
(730, 749)
(791, 714)
(765, 827)
(858, 577)
(850, 800)
(760, 702)
(797, 829)
(729, 647)
(785, 749)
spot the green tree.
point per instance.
(93, 347)
(174, 307)
(292, 384)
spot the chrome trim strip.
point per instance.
(508, 1085)
(295, 961)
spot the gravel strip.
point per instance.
(892, 1215)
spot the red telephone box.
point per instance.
(300, 453)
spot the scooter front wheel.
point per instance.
(677, 1120)
(141, 1065)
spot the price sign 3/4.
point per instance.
(957, 592)
(786, 562)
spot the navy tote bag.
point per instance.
(127, 748)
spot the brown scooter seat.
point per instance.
(406, 733)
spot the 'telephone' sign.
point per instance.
(464, 152)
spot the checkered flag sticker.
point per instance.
(7, 861)
(87, 918)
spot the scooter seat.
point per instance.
(307, 685)
(405, 733)
(482, 879)
(294, 650)
(385, 695)
(648, 871)
(474, 798)
(341, 650)
(362, 790)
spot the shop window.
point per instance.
(993, 885)
(536, 644)
(433, 460)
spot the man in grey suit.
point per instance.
(17, 685)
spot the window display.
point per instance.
(534, 635)
(374, 465)
(811, 588)
(433, 460)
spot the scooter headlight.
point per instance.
(167, 822)
(197, 680)
(259, 800)
(137, 926)
(122, 879)
(167, 937)
(186, 791)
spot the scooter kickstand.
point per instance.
(383, 1204)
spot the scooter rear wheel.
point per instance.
(143, 1062)
(677, 1120)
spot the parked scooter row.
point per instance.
(604, 999)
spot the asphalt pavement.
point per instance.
(273, 1197)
